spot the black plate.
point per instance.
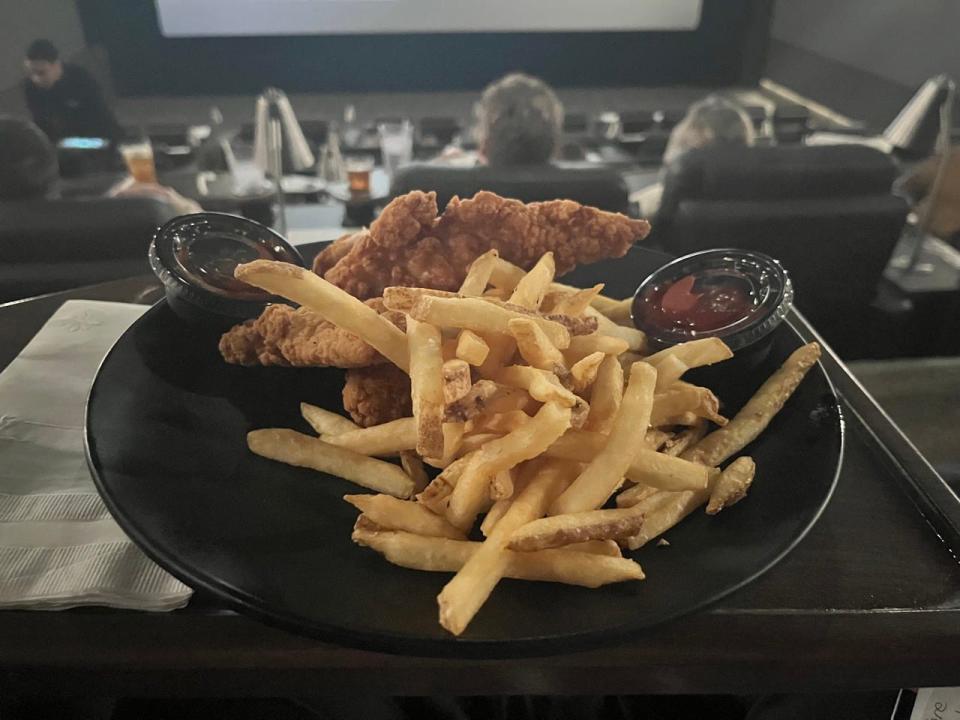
(166, 426)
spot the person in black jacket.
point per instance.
(63, 98)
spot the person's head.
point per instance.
(43, 64)
(713, 120)
(28, 162)
(521, 120)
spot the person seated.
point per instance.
(29, 170)
(520, 122)
(714, 120)
(64, 99)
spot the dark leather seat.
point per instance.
(826, 212)
(597, 186)
(51, 245)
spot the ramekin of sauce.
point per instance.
(195, 255)
(736, 295)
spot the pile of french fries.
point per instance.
(539, 405)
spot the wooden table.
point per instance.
(870, 599)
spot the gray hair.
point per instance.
(521, 121)
(713, 120)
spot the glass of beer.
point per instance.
(358, 173)
(139, 159)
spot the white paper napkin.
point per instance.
(59, 546)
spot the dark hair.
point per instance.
(28, 162)
(521, 120)
(43, 49)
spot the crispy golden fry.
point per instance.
(402, 299)
(534, 345)
(560, 530)
(686, 419)
(496, 511)
(606, 305)
(543, 386)
(579, 413)
(576, 326)
(695, 353)
(531, 288)
(342, 309)
(583, 345)
(426, 386)
(413, 466)
(478, 274)
(621, 313)
(508, 398)
(456, 380)
(293, 448)
(754, 417)
(472, 348)
(596, 547)
(605, 395)
(471, 404)
(636, 339)
(661, 511)
(669, 371)
(326, 422)
(522, 444)
(476, 441)
(452, 439)
(502, 349)
(647, 466)
(463, 596)
(655, 439)
(393, 514)
(633, 495)
(690, 436)
(683, 398)
(506, 275)
(481, 316)
(732, 485)
(606, 470)
(501, 486)
(567, 566)
(499, 423)
(380, 440)
(575, 303)
(437, 494)
(584, 372)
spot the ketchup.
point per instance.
(702, 302)
(211, 259)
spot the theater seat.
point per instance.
(51, 245)
(597, 186)
(826, 212)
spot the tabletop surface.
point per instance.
(869, 599)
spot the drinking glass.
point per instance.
(396, 144)
(138, 156)
(358, 173)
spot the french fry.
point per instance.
(583, 345)
(402, 299)
(534, 346)
(531, 288)
(543, 386)
(499, 423)
(576, 303)
(605, 396)
(579, 413)
(760, 409)
(605, 472)
(683, 398)
(606, 305)
(471, 404)
(413, 466)
(633, 495)
(463, 596)
(647, 466)
(472, 348)
(507, 398)
(436, 495)
(506, 275)
(426, 386)
(636, 339)
(293, 448)
(690, 436)
(695, 353)
(584, 372)
(661, 511)
(394, 514)
(576, 326)
(478, 274)
(655, 439)
(379, 440)
(560, 530)
(342, 309)
(476, 441)
(456, 380)
(502, 348)
(326, 422)
(522, 444)
(621, 313)
(565, 566)
(596, 547)
(669, 371)
(732, 485)
(452, 438)
(481, 316)
(501, 486)
(685, 418)
(497, 511)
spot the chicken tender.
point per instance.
(375, 395)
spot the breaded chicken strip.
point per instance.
(375, 395)
(301, 338)
(408, 245)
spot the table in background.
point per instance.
(870, 599)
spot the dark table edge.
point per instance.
(929, 492)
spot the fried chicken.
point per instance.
(331, 254)
(375, 395)
(301, 338)
(408, 244)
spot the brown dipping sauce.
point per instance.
(700, 302)
(210, 259)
